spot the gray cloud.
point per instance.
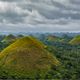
(40, 15)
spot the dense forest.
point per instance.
(66, 49)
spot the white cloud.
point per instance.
(39, 15)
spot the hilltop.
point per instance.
(27, 57)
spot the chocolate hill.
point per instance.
(27, 57)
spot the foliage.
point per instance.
(27, 57)
(68, 58)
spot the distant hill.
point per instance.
(2, 37)
(27, 57)
(75, 40)
(9, 39)
(52, 38)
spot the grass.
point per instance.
(27, 57)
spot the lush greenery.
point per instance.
(69, 56)
(26, 58)
(66, 53)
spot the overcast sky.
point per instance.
(39, 15)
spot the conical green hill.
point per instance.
(52, 38)
(27, 57)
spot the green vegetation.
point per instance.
(6, 41)
(75, 41)
(26, 58)
(53, 38)
(53, 57)
(69, 56)
(9, 39)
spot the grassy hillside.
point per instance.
(75, 40)
(27, 57)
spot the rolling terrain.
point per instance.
(44, 56)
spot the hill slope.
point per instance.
(27, 57)
(75, 41)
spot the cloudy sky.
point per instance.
(39, 15)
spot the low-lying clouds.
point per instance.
(39, 15)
